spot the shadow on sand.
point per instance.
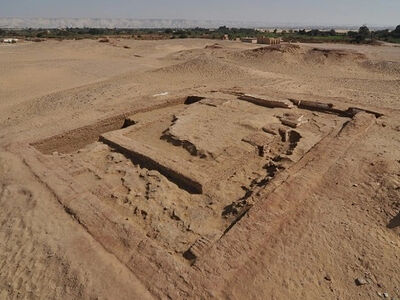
(395, 222)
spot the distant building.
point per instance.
(249, 40)
(268, 40)
(225, 37)
(10, 41)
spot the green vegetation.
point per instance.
(363, 35)
(385, 35)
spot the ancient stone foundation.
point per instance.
(163, 186)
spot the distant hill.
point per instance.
(13, 22)
(115, 23)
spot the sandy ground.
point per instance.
(82, 219)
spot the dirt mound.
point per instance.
(285, 53)
(214, 46)
(265, 51)
(276, 57)
(323, 56)
(271, 57)
(290, 48)
(304, 58)
(215, 49)
(389, 67)
(203, 66)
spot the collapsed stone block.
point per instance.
(266, 102)
(293, 120)
(312, 105)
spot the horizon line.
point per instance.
(229, 23)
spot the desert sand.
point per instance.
(190, 169)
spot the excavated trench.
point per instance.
(76, 139)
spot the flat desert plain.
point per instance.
(199, 169)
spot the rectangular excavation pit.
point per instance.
(150, 174)
(159, 262)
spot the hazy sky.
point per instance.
(357, 12)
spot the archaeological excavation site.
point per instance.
(177, 184)
(189, 169)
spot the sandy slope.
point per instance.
(342, 225)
